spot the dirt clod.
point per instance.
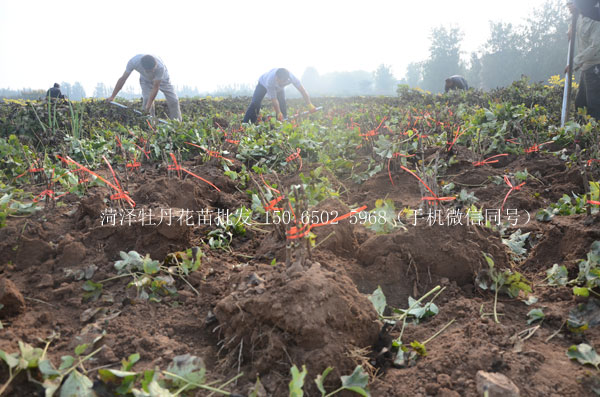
(11, 298)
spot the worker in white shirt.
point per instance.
(273, 85)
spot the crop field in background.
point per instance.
(383, 246)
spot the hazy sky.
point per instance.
(215, 43)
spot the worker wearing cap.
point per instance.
(456, 82)
(587, 44)
(273, 85)
(54, 92)
(153, 77)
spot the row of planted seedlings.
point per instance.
(487, 136)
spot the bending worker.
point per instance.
(153, 77)
(54, 92)
(273, 85)
(456, 82)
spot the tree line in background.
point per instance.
(74, 92)
(536, 49)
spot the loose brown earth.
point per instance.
(261, 319)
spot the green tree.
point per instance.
(65, 89)
(444, 58)
(100, 91)
(503, 58)
(537, 49)
(546, 41)
(473, 74)
(384, 81)
(77, 92)
(414, 74)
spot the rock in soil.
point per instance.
(498, 385)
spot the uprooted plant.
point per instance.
(407, 355)
(498, 280)
(151, 279)
(355, 382)
(72, 378)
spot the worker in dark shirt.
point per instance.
(54, 92)
(456, 82)
(587, 60)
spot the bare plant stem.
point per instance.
(495, 304)
(439, 332)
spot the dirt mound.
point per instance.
(157, 240)
(404, 192)
(565, 240)
(32, 251)
(91, 206)
(170, 193)
(338, 238)
(416, 259)
(273, 319)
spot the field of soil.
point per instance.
(263, 303)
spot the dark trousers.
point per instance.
(257, 97)
(589, 91)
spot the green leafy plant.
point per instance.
(383, 218)
(408, 355)
(219, 238)
(92, 290)
(297, 382)
(418, 312)
(185, 373)
(372, 168)
(379, 301)
(589, 272)
(588, 278)
(557, 275)
(228, 226)
(584, 354)
(467, 198)
(565, 206)
(70, 376)
(355, 382)
(497, 280)
(124, 377)
(153, 280)
(535, 315)
(10, 204)
(516, 242)
(184, 262)
(317, 186)
(594, 196)
(583, 316)
(241, 176)
(521, 176)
